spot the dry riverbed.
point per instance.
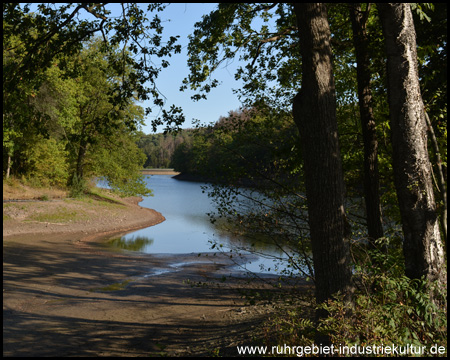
(65, 296)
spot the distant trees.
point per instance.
(159, 148)
(250, 145)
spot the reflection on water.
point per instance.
(133, 243)
(187, 228)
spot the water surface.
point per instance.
(187, 228)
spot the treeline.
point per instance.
(159, 148)
(70, 109)
(249, 146)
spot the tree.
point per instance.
(431, 33)
(276, 54)
(423, 250)
(371, 176)
(246, 31)
(75, 118)
(315, 115)
(33, 40)
(61, 31)
(100, 133)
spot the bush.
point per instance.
(78, 187)
(399, 313)
(388, 309)
(47, 165)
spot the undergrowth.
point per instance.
(388, 310)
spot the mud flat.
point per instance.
(62, 296)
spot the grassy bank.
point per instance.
(25, 205)
(15, 189)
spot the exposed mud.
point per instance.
(62, 296)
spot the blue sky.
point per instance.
(220, 100)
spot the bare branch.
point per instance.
(91, 10)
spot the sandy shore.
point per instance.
(87, 216)
(64, 297)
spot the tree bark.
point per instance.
(443, 188)
(422, 245)
(8, 166)
(80, 160)
(314, 111)
(371, 176)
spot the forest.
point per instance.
(342, 134)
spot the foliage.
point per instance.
(77, 186)
(51, 30)
(263, 36)
(81, 129)
(47, 163)
(119, 162)
(62, 84)
(251, 158)
(159, 148)
(250, 144)
(388, 308)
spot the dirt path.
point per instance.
(64, 297)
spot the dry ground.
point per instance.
(65, 296)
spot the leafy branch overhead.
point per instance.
(264, 37)
(73, 72)
(61, 29)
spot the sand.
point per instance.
(64, 295)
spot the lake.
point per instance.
(187, 228)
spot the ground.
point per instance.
(64, 295)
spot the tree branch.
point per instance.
(276, 37)
(264, 8)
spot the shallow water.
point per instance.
(187, 228)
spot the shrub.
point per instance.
(388, 309)
(47, 163)
(78, 187)
(400, 312)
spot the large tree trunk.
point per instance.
(371, 176)
(422, 245)
(314, 112)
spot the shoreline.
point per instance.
(62, 295)
(90, 217)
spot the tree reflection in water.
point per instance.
(135, 243)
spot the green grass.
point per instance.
(102, 196)
(62, 215)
